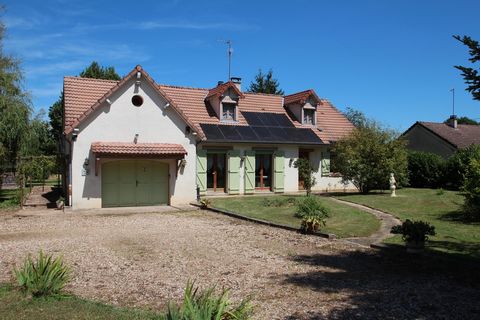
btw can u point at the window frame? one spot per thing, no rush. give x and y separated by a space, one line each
314 120
234 113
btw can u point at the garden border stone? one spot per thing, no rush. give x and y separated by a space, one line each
259 221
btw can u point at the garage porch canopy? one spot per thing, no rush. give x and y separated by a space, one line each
137 150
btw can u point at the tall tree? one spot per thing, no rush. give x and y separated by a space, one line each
368 155
470 75
14 104
55 112
356 117
265 83
464 120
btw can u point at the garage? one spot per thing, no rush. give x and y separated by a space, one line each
134 183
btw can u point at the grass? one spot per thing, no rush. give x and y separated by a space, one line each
440 208
8 199
14 305
344 221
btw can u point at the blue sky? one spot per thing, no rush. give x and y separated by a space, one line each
391 59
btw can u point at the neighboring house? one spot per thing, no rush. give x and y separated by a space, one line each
441 138
134 142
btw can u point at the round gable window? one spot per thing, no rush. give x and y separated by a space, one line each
137 100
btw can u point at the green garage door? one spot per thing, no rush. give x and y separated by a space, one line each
134 183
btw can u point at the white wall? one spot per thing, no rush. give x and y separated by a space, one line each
324 183
120 122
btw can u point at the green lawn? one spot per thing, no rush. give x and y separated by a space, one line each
439 207
13 305
344 221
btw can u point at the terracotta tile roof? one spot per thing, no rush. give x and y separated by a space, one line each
125 148
82 95
300 97
462 137
220 89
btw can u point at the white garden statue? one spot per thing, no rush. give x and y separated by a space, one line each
393 185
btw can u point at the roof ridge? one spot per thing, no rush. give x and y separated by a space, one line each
263 94
303 91
180 87
90 79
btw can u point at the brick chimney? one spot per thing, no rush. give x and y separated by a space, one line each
452 121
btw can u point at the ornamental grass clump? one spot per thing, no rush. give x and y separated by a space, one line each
206 305
44 276
312 212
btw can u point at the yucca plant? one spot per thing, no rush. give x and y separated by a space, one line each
206 305
43 277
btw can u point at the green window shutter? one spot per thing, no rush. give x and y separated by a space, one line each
325 163
233 171
249 164
279 171
202 170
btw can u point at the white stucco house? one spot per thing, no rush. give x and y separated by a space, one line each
134 142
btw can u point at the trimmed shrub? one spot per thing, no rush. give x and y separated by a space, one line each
471 188
43 277
457 166
206 305
425 170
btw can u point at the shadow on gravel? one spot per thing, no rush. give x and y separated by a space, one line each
391 284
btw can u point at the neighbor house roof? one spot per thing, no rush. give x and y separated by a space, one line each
83 95
461 137
123 148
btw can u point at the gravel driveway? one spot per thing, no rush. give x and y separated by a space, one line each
145 259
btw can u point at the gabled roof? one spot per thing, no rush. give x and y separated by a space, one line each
301 97
463 136
83 95
78 97
220 89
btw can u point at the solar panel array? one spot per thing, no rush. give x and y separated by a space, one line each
262 128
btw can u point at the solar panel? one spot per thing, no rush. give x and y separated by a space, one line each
247 133
230 133
267 119
259 134
212 131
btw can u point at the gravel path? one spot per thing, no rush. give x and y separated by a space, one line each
145 259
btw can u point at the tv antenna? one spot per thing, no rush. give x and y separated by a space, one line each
230 51
453 101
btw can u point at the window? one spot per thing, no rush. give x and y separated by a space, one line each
263 171
228 111
309 116
137 100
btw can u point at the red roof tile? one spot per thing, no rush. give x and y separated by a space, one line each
220 89
300 97
125 148
82 94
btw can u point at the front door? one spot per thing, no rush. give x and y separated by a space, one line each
263 171
216 171
134 183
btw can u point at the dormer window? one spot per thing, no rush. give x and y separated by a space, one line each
309 116
229 111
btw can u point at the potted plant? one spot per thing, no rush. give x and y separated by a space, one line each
312 212
414 233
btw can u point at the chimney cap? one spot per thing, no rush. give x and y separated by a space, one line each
236 79
219 83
